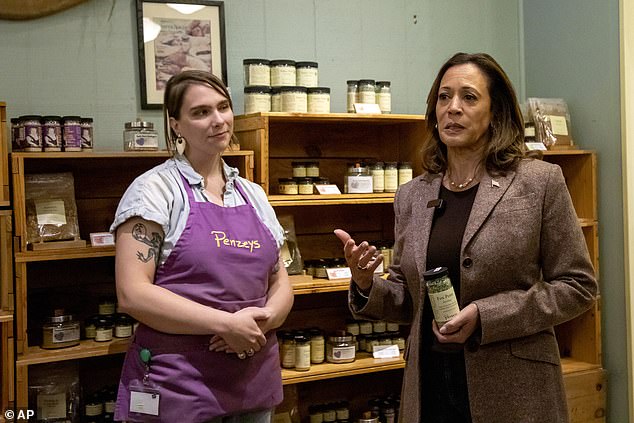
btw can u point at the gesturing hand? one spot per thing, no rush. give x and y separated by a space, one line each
362 259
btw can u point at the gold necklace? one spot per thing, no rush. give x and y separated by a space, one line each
462 185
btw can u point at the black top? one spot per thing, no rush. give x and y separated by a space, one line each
445 240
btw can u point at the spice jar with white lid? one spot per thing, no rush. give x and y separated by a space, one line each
140 136
256 72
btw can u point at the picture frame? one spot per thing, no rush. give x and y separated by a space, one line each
176 35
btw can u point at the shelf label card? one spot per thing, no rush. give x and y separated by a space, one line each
367 108
51 406
101 239
534 146
385 351
558 124
327 189
339 273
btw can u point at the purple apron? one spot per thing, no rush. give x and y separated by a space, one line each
223 259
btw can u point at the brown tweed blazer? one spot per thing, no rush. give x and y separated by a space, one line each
524 262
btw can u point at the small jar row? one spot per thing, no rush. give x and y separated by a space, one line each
382 409
99 405
63 330
36 133
287 99
280 72
377 177
369 91
301 348
302 186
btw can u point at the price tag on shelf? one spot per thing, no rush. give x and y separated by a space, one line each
327 189
385 351
339 273
367 108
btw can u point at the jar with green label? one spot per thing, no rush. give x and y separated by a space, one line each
441 295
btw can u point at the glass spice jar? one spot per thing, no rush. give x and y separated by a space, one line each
441 295
287 186
367 91
257 98
71 133
304 186
86 134
340 348
378 177
312 169
122 326
307 74
294 99
404 173
256 72
140 136
391 177
90 327
287 349
299 169
60 331
52 133
384 96
103 330
317 346
302 353
32 129
318 100
283 73
352 94
276 99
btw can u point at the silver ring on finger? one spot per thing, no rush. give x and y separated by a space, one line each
362 268
250 352
242 355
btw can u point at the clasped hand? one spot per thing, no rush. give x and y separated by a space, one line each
245 331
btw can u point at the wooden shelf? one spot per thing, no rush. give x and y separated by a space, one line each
344 118
364 363
330 199
6 316
85 349
307 285
109 154
65 254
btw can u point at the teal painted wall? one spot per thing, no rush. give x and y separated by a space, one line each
84 60
572 51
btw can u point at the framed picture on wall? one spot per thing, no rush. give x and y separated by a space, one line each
174 36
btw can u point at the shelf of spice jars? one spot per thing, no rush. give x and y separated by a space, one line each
330 199
86 349
364 363
305 284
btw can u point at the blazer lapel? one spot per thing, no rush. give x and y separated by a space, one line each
489 193
423 216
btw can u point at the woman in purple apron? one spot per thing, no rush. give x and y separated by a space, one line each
197 264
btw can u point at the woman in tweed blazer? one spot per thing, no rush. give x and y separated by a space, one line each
507 230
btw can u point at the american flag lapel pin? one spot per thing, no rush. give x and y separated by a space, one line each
495 184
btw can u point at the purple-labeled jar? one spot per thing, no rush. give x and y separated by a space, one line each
32 132
86 134
52 133
72 133
16 137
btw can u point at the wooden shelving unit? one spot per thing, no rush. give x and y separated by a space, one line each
336 139
270 142
61 276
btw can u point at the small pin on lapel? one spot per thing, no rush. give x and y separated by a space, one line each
495 184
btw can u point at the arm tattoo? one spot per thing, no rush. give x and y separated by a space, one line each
139 232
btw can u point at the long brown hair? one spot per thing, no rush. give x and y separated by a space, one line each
175 93
506 142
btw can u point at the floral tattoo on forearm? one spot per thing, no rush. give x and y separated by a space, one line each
139 232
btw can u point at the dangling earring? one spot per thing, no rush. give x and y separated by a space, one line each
180 144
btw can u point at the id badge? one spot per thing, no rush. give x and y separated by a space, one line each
144 401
